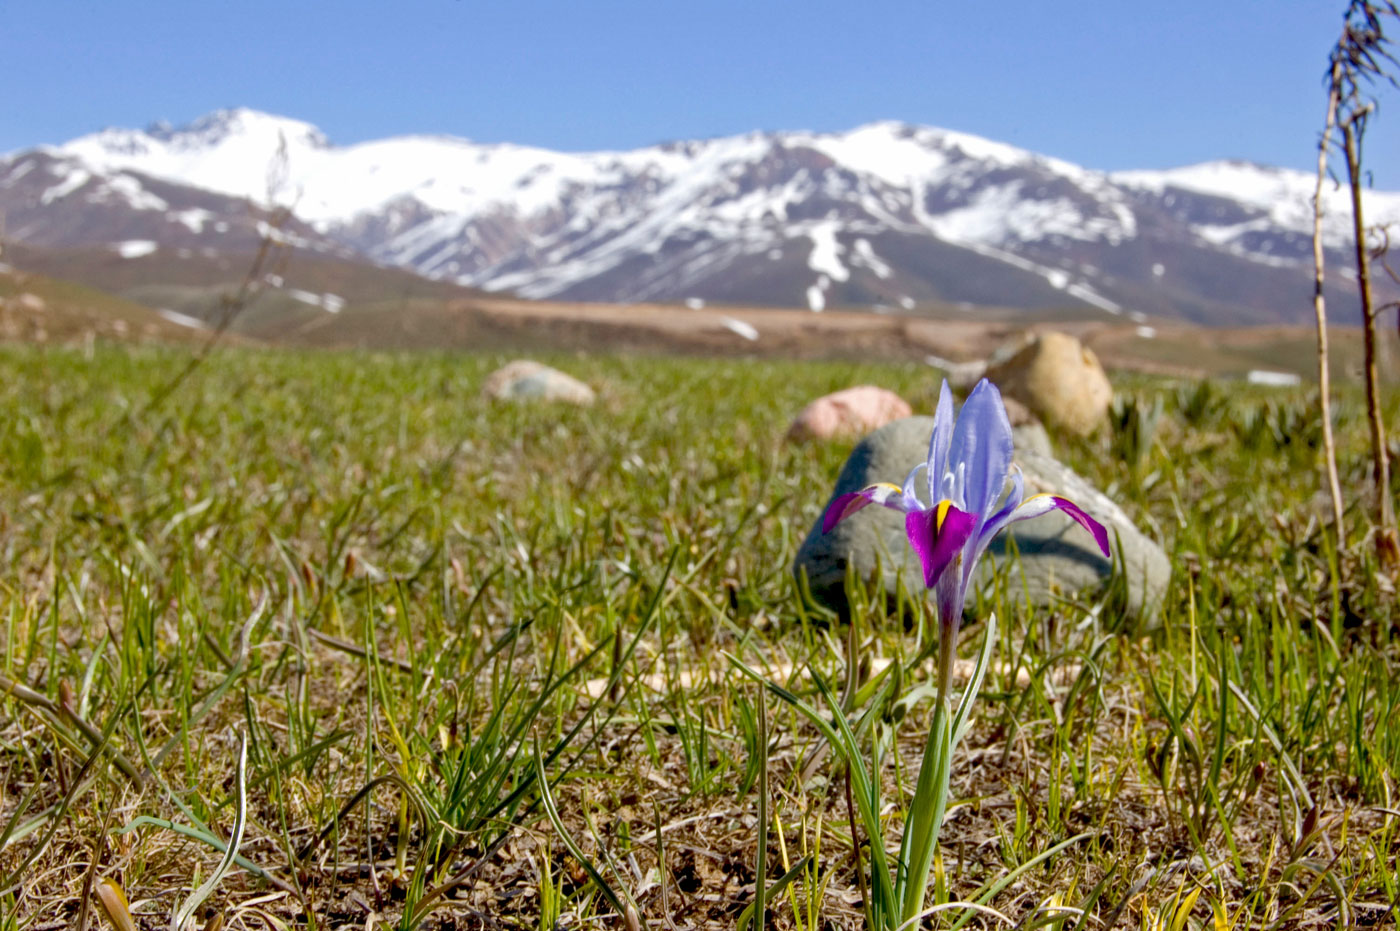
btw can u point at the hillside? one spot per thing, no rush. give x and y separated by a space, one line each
38 309
885 216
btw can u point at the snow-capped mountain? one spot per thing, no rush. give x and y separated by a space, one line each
886 215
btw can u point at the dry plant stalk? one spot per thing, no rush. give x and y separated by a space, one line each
1361 56
1387 544
1324 375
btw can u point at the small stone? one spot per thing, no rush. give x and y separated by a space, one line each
1058 378
963 375
1056 555
527 380
852 412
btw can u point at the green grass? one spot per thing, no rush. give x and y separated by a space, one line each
478 656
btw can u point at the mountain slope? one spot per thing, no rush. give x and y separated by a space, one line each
886 215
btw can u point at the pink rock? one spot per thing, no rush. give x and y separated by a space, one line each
849 413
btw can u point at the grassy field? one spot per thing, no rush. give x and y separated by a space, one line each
479 658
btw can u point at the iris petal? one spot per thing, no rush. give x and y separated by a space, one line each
982 444
1037 505
910 491
938 443
882 493
1014 496
937 542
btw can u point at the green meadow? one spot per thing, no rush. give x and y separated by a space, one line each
323 640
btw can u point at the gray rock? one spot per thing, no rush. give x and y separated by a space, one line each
1030 437
1056 555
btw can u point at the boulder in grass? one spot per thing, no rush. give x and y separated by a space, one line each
1055 556
849 413
1058 378
527 380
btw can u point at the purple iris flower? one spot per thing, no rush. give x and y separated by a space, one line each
969 502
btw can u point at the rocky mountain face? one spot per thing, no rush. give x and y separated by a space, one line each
886 216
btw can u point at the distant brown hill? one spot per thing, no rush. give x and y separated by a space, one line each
315 301
37 309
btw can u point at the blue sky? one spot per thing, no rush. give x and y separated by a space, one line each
1105 84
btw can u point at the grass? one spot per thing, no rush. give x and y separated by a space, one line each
478 658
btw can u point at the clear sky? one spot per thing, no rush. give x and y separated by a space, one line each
1108 84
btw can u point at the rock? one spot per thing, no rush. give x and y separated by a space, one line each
1017 414
1027 432
525 379
960 375
849 413
1059 379
963 375
1031 437
27 301
1055 554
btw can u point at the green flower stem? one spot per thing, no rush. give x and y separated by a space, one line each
926 813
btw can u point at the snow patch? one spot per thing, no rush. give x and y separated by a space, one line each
193 219
1089 296
1283 196
174 316
695 303
746 330
1273 379
18 173
331 303
73 178
131 190
826 251
135 248
1003 214
1147 332
864 254
816 300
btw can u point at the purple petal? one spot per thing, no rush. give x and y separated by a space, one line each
938 542
982 445
1036 505
883 493
938 443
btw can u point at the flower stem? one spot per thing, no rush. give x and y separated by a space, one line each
927 809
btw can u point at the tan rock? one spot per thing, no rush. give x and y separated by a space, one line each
1059 379
29 301
852 412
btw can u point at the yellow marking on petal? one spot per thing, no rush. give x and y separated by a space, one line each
942 513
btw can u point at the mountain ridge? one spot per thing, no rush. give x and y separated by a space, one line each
883 216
